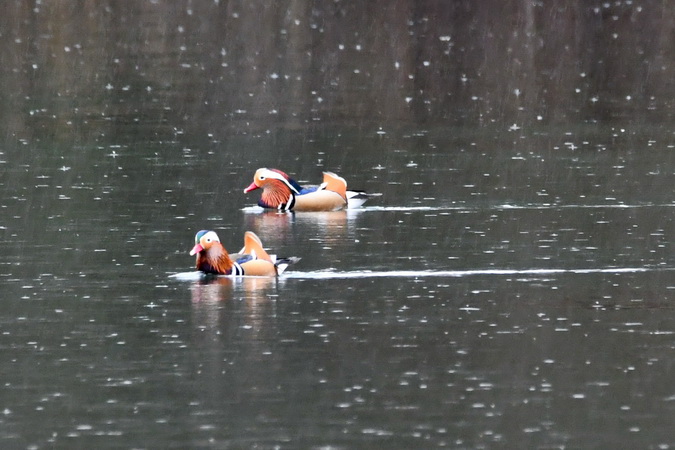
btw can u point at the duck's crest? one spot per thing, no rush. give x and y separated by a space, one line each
294 184
199 234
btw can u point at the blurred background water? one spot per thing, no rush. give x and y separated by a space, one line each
513 285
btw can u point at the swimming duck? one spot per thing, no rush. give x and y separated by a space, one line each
212 258
283 193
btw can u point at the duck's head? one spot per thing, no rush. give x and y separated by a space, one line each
270 177
204 239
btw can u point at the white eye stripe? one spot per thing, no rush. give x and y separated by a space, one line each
271 174
211 236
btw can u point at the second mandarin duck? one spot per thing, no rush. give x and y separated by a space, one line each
283 193
252 260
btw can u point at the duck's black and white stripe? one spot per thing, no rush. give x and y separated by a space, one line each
237 270
288 205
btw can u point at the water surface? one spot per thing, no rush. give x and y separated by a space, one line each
512 286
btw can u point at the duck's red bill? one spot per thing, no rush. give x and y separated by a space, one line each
196 249
252 187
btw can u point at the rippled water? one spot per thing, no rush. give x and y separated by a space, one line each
512 286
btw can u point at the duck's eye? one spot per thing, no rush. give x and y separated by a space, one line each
262 177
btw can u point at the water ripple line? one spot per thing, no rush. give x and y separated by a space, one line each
508 206
501 207
324 275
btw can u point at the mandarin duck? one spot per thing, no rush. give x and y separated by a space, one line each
252 260
283 193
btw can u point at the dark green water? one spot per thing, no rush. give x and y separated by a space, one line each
512 287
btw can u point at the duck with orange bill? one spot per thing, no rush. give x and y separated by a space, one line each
283 193
252 259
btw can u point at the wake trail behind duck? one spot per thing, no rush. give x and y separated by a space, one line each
325 275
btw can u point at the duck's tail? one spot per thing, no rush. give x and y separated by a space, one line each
282 263
356 199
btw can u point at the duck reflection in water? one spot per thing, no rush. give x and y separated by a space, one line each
328 226
231 312
215 289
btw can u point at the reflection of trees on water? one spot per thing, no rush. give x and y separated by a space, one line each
457 63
